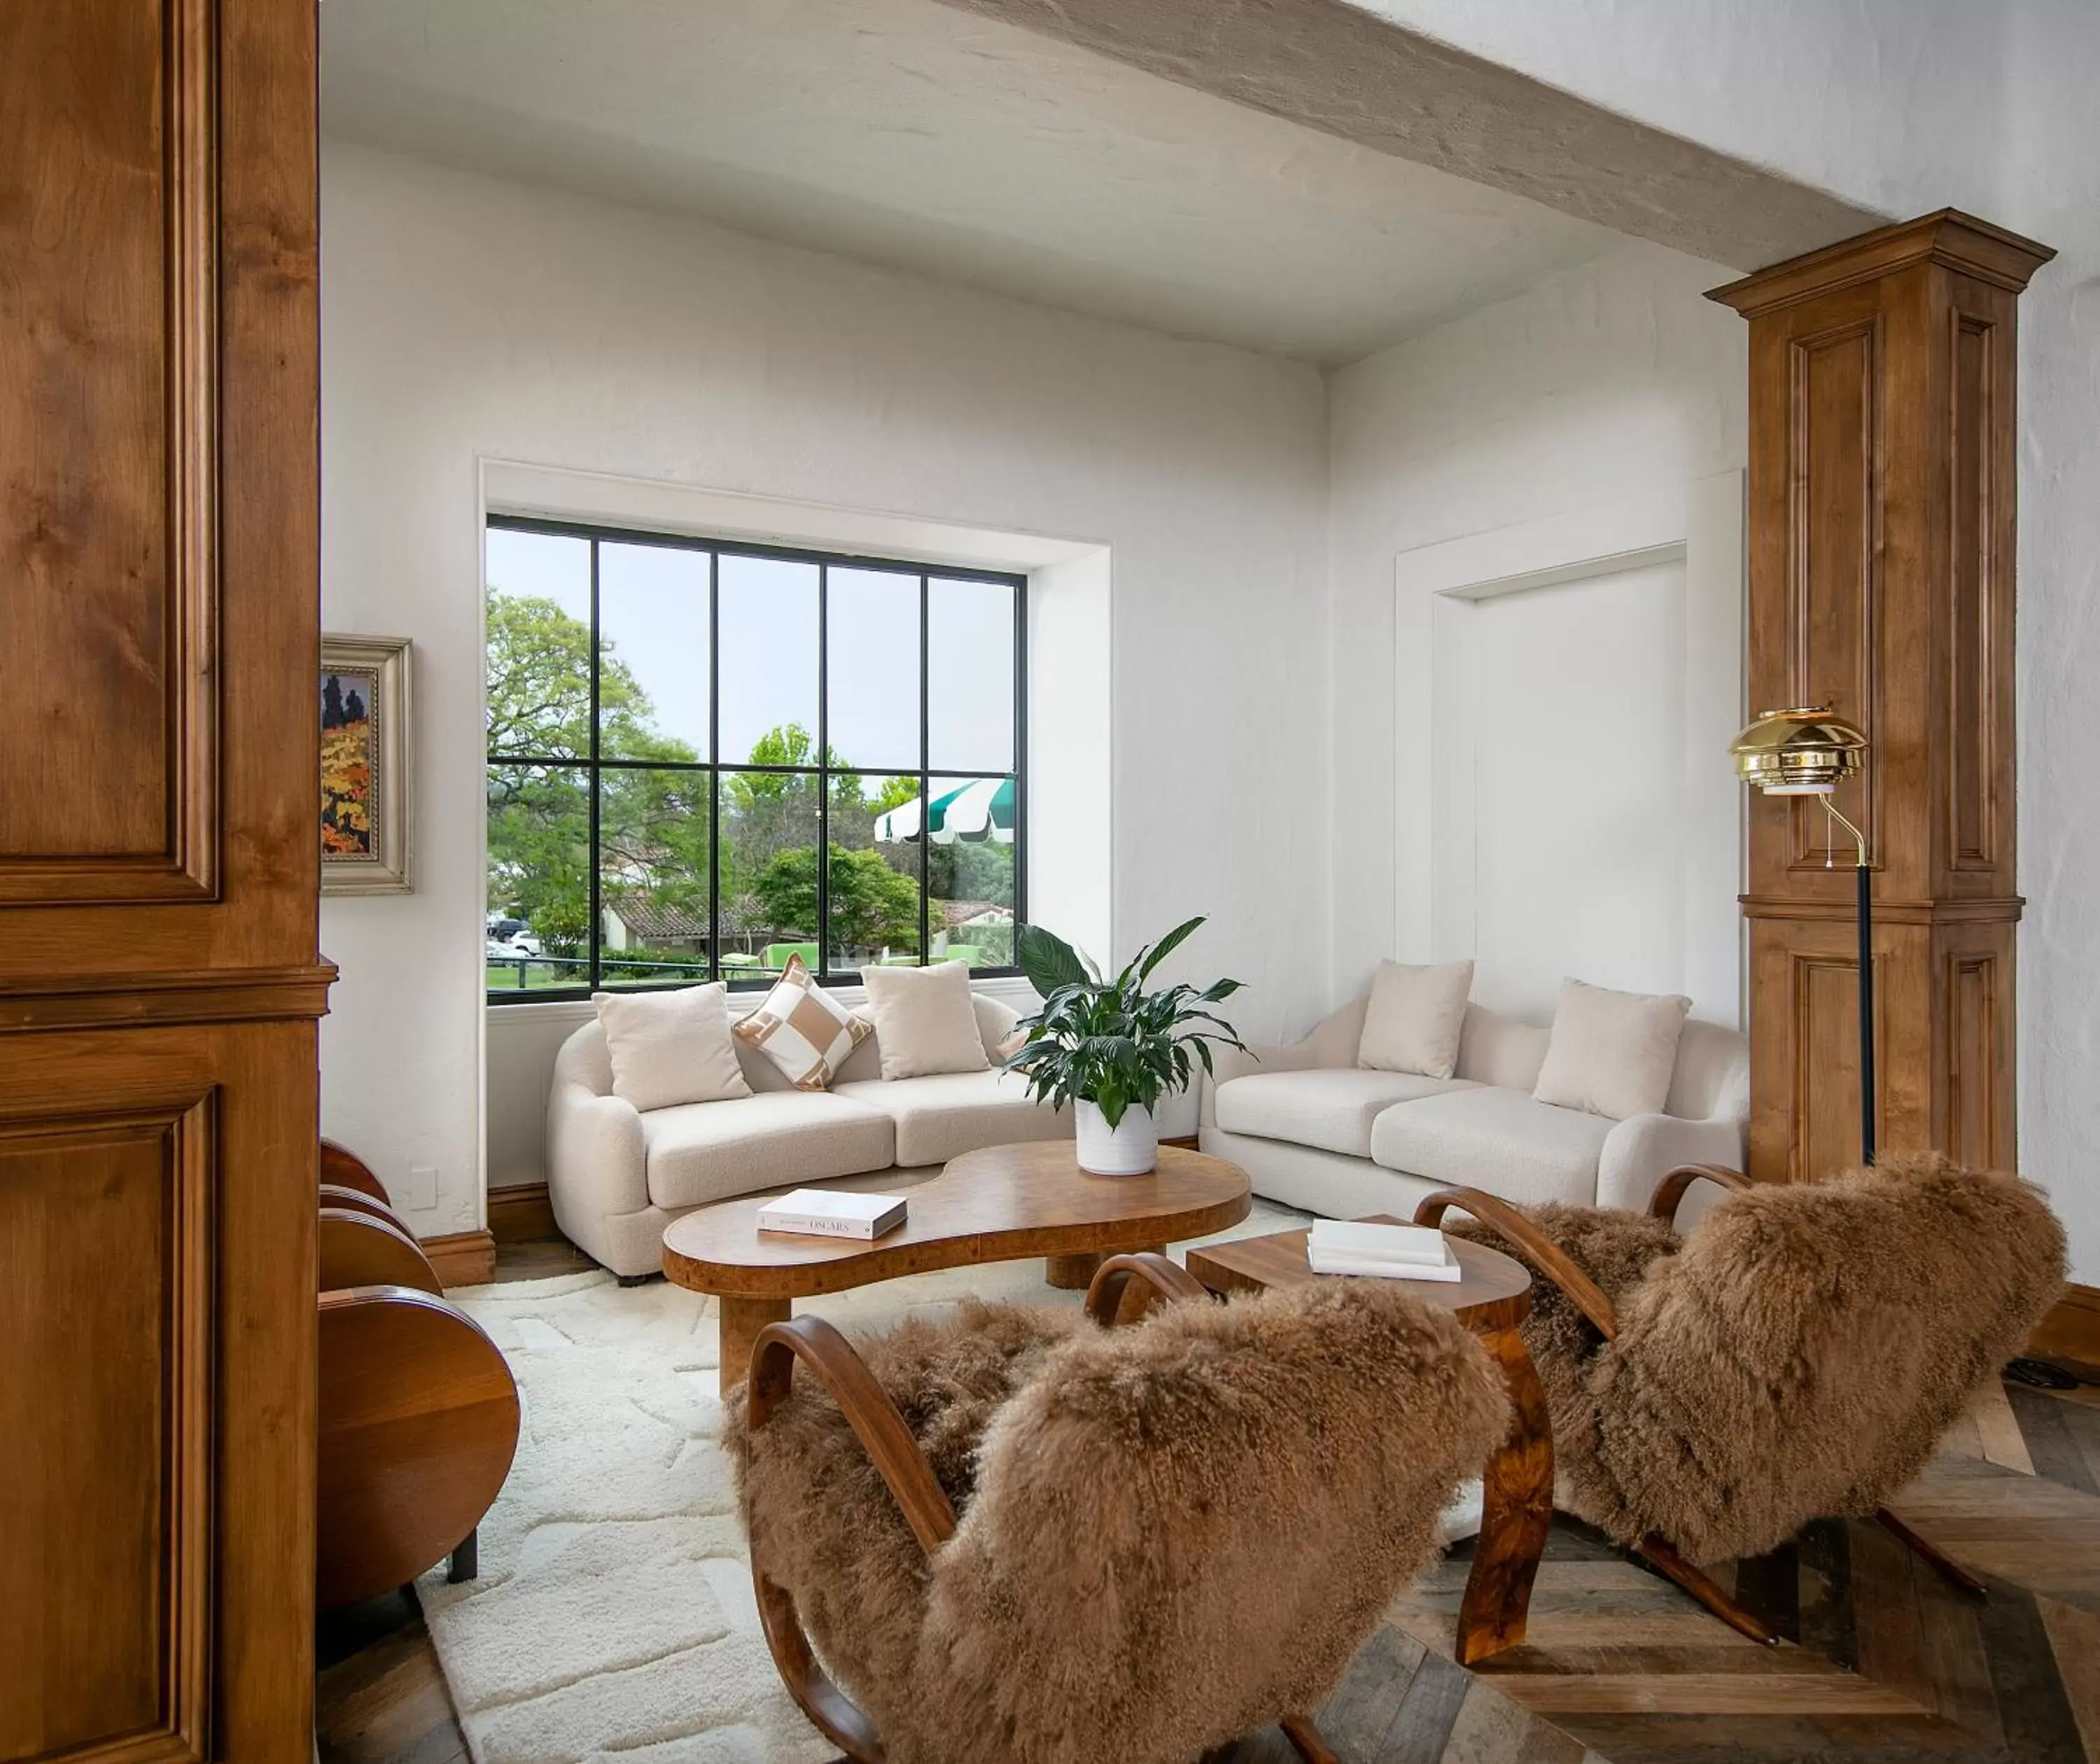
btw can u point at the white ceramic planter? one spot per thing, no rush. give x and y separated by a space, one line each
1129 1149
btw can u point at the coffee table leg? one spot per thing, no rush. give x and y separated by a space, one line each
742 1319
1516 1512
1075 1273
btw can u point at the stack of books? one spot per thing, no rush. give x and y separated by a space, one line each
1380 1252
832 1213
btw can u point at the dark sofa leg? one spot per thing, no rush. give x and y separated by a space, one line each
1701 1588
635 1280
466 1558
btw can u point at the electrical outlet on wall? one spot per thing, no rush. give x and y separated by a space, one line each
422 1193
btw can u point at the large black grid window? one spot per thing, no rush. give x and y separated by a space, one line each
678 727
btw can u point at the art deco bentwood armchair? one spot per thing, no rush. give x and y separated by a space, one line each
1023 1536
1797 1355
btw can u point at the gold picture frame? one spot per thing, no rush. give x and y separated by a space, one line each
364 801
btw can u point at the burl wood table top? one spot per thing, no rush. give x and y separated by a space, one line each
1002 1204
1494 1293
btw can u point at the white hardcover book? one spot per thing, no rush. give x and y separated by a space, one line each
1377 1268
1422 1244
832 1213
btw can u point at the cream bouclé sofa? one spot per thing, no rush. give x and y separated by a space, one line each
618 1176
1315 1131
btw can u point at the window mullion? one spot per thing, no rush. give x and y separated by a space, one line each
1019 905
595 916
714 775
823 772
925 784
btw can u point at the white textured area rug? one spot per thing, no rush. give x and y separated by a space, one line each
614 1617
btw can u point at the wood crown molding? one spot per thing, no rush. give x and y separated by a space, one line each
1959 242
202 995
1886 912
461 1258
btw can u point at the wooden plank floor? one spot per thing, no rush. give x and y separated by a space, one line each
1883 1664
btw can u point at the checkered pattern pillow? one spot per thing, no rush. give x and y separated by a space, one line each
805 1034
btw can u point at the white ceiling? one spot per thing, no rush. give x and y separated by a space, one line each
907 133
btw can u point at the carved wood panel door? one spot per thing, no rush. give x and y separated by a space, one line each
160 984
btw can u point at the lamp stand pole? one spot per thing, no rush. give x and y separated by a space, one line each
1865 876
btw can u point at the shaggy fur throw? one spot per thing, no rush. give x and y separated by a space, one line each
1799 1354
1170 1533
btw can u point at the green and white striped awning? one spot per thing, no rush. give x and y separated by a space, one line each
982 808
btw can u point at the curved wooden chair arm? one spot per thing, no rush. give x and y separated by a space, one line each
1166 1280
868 1410
896 1455
1669 1192
1554 1262
343 1167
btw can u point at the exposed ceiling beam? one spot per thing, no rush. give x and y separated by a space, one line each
1337 68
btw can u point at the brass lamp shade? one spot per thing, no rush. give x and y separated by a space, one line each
1798 752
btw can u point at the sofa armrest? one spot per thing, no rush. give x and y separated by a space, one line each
597 1165
1332 1041
1640 1151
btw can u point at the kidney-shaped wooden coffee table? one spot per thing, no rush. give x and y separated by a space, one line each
1003 1204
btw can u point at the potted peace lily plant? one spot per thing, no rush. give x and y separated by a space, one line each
1110 1048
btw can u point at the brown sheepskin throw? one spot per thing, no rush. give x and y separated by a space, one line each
1799 1354
821 1517
1170 1533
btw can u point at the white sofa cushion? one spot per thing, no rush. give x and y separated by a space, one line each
946 1114
1413 1021
1501 1140
925 1020
671 1047
705 1152
1329 1108
1611 1053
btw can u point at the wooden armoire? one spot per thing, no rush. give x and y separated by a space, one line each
1883 373
160 985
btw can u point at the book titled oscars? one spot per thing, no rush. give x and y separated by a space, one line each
832 1213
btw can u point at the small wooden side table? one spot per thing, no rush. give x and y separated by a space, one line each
1517 1482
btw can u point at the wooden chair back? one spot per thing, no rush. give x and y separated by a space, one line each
342 1167
360 1249
1825 1334
357 1200
419 1420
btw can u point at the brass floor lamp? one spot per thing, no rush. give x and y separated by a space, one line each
1805 753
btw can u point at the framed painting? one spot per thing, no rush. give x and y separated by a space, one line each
364 764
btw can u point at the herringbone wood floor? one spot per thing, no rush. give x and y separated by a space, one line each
1883 1661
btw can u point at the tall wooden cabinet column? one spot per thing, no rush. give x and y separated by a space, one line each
1881 530
159 982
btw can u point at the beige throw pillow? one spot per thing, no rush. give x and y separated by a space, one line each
925 1020
671 1047
1414 1018
1611 1053
803 1029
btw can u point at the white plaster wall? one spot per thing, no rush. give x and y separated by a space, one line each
1906 106
464 317
1597 385
2052 191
